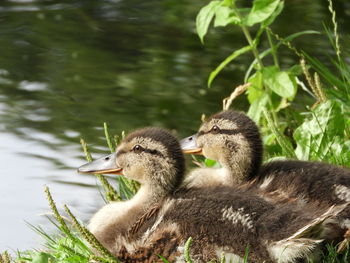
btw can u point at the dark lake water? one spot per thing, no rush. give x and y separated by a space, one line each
68 66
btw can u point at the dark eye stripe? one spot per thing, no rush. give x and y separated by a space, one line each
222 131
154 152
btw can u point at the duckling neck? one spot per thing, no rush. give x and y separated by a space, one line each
148 195
237 166
153 192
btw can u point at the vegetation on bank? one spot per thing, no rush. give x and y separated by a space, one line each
319 131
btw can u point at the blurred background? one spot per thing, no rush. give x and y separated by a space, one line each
68 66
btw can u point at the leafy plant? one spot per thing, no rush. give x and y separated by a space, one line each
321 136
324 133
271 87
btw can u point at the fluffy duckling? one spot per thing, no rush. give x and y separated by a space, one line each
150 156
218 219
233 139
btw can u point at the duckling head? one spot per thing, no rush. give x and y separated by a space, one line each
230 138
151 156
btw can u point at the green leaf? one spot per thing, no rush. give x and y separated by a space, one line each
283 141
274 15
223 64
163 259
262 10
318 136
209 163
204 18
296 70
224 16
255 90
228 2
42 257
256 108
279 81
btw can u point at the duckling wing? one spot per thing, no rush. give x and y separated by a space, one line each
304 241
219 220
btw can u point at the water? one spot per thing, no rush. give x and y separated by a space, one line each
68 66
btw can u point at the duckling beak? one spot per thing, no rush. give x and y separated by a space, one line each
189 145
104 165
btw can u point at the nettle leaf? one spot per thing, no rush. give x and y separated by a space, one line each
224 16
280 82
261 10
204 17
317 136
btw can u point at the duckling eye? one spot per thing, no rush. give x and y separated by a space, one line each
215 129
137 148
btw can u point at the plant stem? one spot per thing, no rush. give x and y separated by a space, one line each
257 57
273 48
249 38
251 43
187 250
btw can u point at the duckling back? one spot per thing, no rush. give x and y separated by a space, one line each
224 221
312 181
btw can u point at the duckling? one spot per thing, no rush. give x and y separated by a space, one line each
160 172
233 139
164 213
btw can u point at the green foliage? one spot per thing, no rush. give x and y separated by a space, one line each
271 87
163 259
287 148
331 256
58 248
204 18
322 136
187 251
325 132
280 82
261 11
209 163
